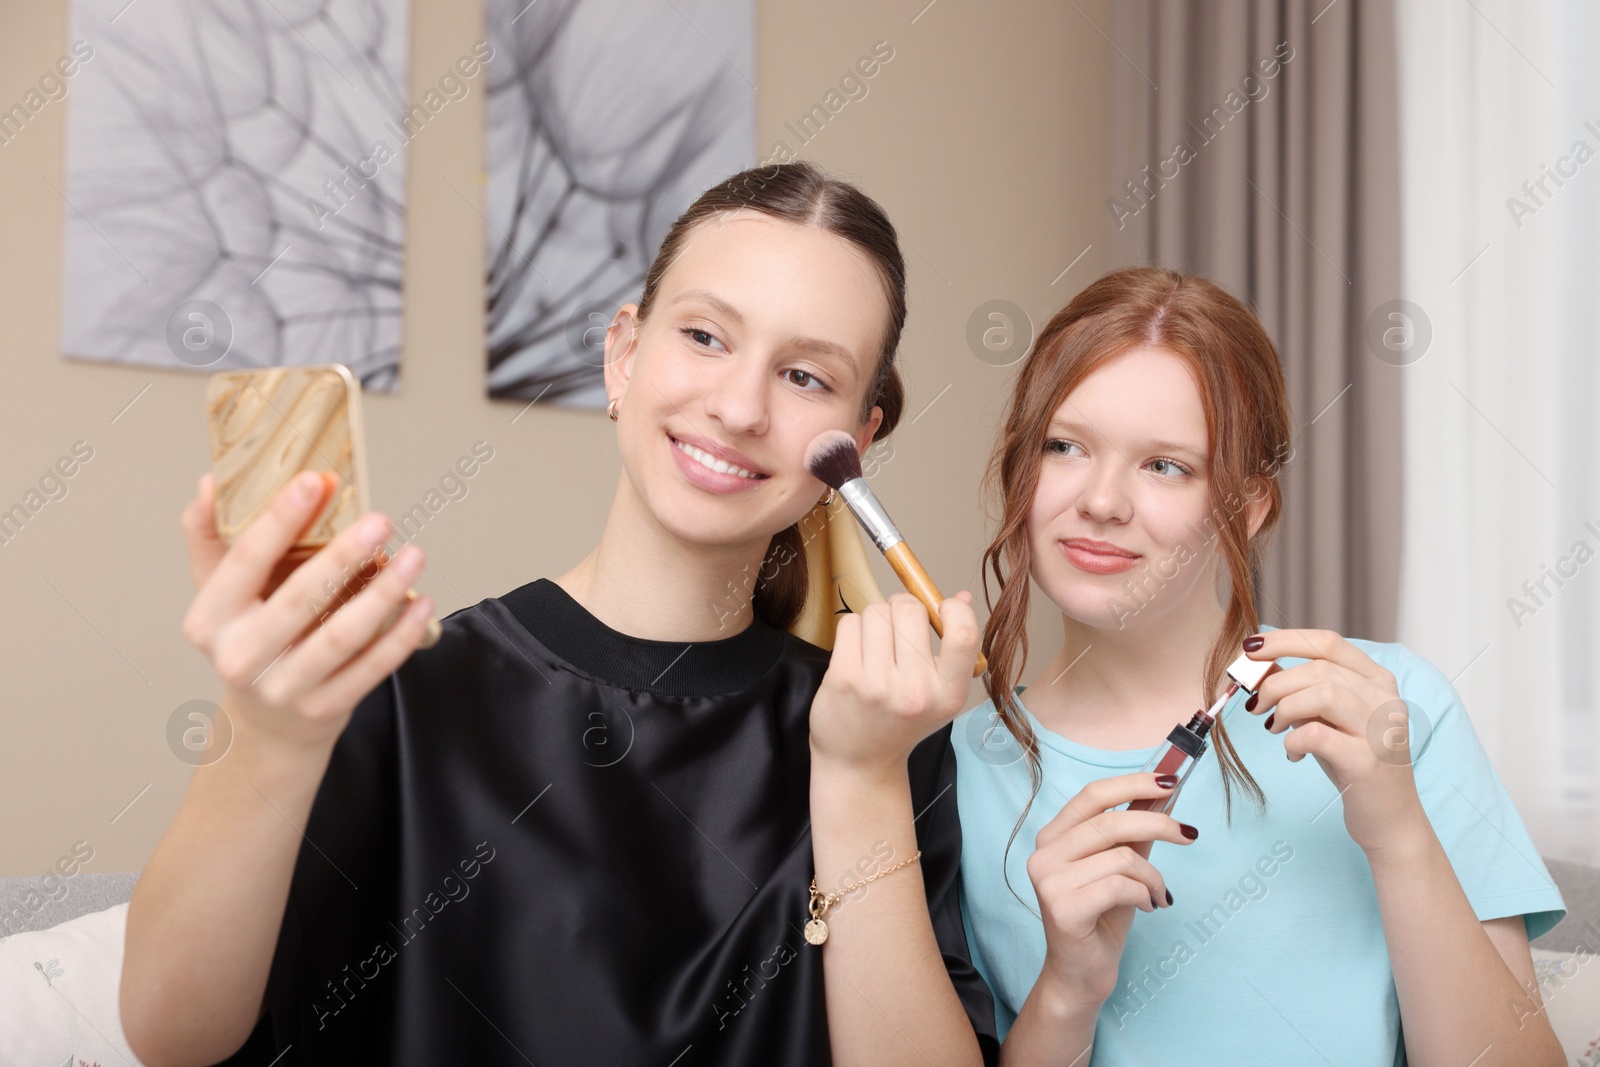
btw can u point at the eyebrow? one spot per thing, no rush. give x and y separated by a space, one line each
721 306
824 348
1155 445
727 310
1174 446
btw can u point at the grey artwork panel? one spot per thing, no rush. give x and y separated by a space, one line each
606 119
235 184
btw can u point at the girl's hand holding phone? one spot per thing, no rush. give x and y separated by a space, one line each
295 673
1345 710
1090 869
885 690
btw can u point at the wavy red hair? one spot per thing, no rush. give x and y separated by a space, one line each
1248 423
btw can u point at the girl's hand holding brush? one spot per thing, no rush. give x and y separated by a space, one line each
885 689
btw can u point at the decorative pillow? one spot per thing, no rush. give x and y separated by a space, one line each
58 994
1569 985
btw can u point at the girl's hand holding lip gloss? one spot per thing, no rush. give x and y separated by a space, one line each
1090 869
1345 710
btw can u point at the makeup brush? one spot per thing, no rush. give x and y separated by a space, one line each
833 458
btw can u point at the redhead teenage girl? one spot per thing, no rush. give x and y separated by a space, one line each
1370 905
582 828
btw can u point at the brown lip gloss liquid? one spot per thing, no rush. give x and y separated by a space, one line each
1185 745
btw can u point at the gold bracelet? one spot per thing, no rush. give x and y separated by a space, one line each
816 930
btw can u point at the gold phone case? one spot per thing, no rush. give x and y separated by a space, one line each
267 426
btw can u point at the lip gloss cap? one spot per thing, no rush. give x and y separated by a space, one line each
1250 672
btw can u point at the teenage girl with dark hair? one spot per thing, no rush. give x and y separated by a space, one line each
476 882
1370 904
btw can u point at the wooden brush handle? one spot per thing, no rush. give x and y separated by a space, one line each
915 578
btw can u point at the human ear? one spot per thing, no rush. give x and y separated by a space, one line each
864 434
621 346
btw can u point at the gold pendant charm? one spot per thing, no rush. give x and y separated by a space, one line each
816 931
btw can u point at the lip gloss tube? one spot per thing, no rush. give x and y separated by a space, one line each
1187 743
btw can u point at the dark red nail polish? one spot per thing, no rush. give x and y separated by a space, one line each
1250 705
1268 723
1251 644
1188 831
1169 898
1167 781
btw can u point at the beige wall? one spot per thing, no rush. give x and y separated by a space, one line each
985 137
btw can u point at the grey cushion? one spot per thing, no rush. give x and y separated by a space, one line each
21 898
1580 889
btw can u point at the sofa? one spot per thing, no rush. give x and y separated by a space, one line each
61 954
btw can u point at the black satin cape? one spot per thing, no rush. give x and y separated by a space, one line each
544 841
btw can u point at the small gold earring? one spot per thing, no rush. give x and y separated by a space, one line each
827 500
611 407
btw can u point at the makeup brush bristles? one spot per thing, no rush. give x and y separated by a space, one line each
832 457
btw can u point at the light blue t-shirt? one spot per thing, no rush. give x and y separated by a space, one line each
1273 950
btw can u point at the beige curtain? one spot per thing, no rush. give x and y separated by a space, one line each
1256 143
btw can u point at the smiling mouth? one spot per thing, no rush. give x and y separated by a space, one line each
1098 557
712 463
1099 548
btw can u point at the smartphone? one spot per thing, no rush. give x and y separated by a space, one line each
266 426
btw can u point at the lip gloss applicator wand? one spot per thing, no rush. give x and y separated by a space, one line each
832 457
1187 743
